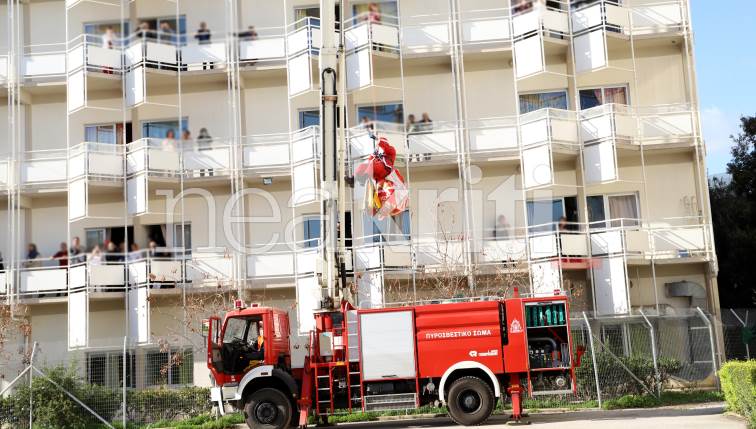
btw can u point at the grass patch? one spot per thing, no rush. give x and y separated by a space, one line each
667 398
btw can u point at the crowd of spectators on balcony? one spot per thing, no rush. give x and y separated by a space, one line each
424 125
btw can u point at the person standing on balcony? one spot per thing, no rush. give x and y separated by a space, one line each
134 253
167 34
169 142
204 142
203 34
75 251
249 34
95 258
31 255
374 13
108 38
426 123
503 228
62 255
411 126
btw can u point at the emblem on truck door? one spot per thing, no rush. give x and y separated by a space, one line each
515 327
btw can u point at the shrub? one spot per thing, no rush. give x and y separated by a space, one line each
614 378
739 386
152 405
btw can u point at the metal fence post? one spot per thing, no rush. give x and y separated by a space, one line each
653 353
31 387
711 344
126 363
745 325
593 358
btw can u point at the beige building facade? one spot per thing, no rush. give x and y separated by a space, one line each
561 150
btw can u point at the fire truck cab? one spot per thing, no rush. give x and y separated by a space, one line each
465 355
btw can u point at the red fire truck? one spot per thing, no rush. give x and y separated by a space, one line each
465 355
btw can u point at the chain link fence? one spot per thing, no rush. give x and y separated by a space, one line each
738 326
108 386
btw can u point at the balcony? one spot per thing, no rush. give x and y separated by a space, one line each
432 143
303 40
5 173
425 35
96 161
305 155
547 136
44 169
206 159
44 63
372 50
266 50
267 154
362 143
485 30
493 137
154 157
540 39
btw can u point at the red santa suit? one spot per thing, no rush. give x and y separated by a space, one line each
386 193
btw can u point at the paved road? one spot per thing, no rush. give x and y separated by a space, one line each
701 417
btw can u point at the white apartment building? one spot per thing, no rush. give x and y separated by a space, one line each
564 153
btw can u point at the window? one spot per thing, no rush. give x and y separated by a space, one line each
179 30
98 28
311 231
94 237
106 369
174 367
159 129
622 210
545 214
100 133
387 10
300 13
382 112
542 100
308 118
182 241
598 96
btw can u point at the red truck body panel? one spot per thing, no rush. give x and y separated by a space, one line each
451 333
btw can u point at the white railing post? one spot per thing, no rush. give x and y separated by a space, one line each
125 364
653 353
593 358
711 344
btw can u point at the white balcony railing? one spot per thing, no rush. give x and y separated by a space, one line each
206 157
149 155
269 45
44 61
44 167
96 160
493 134
486 26
425 34
552 126
361 32
538 17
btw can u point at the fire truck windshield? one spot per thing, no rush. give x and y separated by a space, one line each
242 329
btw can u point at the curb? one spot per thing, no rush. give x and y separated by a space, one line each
410 417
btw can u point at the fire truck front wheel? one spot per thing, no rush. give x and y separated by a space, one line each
267 409
470 401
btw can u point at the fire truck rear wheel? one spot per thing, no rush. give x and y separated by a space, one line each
267 409
470 401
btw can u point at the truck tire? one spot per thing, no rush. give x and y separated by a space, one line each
470 401
268 409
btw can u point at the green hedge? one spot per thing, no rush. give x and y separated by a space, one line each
739 386
616 381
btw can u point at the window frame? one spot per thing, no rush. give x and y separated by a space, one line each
608 219
603 89
382 104
311 242
564 91
182 124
